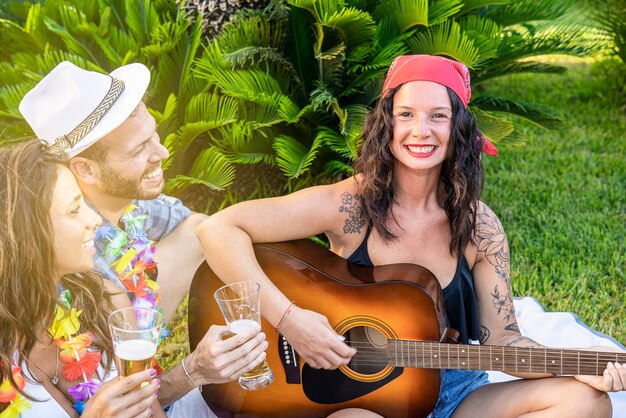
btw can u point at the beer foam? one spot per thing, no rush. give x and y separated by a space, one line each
135 350
242 325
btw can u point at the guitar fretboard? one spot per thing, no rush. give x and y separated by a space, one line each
435 355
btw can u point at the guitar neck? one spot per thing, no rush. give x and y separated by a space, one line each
435 355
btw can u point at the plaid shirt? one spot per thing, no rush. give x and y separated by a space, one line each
164 213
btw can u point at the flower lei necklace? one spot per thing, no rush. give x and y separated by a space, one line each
18 403
129 254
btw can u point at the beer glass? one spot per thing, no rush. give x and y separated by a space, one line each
135 333
240 305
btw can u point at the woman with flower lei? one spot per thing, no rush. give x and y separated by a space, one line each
56 352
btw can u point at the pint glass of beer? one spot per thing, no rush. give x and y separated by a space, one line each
135 333
240 305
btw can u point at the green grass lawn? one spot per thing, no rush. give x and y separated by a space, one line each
561 196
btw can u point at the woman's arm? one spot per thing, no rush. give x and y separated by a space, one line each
227 238
495 302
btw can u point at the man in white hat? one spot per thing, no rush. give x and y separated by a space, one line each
100 122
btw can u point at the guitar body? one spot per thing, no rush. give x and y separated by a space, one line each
401 301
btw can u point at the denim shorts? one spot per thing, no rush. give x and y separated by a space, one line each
456 385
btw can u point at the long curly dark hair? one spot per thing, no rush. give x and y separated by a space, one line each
28 292
462 173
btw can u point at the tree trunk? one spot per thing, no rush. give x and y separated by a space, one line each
216 13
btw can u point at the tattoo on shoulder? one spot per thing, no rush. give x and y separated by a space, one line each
512 327
492 243
484 334
503 304
351 205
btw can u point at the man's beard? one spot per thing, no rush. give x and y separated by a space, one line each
113 184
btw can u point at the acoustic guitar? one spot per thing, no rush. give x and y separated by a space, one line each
394 315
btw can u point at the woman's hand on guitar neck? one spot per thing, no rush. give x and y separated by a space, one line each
317 343
612 380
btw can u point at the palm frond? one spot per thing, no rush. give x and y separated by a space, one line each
387 31
473 5
211 169
287 109
205 107
493 128
123 44
321 98
321 9
335 168
210 61
406 14
522 11
37 66
15 39
245 143
484 32
293 158
446 39
356 118
72 42
167 120
118 11
573 40
273 62
442 10
141 19
34 23
330 66
515 67
190 52
264 111
254 31
178 143
535 113
355 26
299 47
245 84
12 95
345 145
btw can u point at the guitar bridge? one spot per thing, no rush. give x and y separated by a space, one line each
290 360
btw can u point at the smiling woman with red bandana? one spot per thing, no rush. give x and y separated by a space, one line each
414 198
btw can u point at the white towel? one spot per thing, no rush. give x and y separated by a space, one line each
563 330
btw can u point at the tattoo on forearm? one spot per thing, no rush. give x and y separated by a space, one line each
492 242
484 334
503 304
515 341
512 327
351 204
526 342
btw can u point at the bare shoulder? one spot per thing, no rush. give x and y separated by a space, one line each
487 222
349 205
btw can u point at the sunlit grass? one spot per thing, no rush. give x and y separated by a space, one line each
561 196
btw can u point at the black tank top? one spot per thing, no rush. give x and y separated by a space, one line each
459 295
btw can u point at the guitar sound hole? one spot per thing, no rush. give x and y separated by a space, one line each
371 345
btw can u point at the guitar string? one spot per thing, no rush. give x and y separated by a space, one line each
583 361
590 369
539 352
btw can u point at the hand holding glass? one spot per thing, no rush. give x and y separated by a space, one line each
240 304
135 333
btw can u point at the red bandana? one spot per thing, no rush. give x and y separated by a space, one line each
446 72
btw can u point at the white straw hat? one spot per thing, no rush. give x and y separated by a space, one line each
71 108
